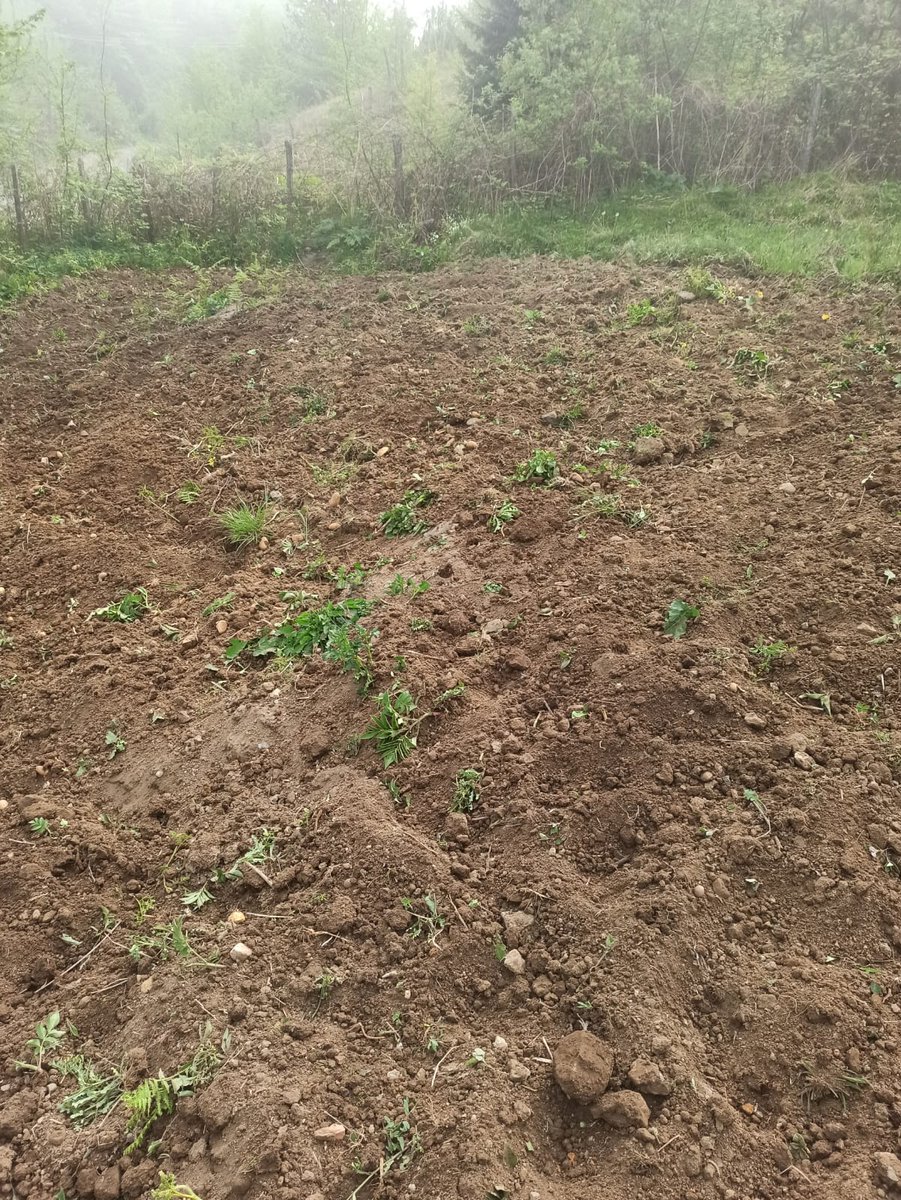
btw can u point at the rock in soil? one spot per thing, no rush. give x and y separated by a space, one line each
623 1110
888 1169
645 1076
583 1065
330 1133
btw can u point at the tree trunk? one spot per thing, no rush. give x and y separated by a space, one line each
812 124
17 201
289 173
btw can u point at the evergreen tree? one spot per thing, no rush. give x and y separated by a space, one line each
490 29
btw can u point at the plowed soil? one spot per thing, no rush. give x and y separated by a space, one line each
692 843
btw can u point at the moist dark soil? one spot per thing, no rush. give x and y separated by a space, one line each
685 846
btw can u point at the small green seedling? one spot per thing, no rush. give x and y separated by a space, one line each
48 1036
649 430
502 516
770 654
477 326
555 357
169 1189
188 492
540 469
128 609
642 312
399 586
39 826
466 790
401 1146
115 741
403 518
753 362
677 618
219 603
428 923
823 699
245 524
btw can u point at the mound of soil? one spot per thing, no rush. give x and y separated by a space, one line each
358 979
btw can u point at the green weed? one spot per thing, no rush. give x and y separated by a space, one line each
115 741
48 1036
169 1189
677 618
466 790
502 515
403 518
95 1093
770 654
428 923
540 469
130 608
157 1097
393 729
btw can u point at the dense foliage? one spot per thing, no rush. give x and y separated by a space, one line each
143 116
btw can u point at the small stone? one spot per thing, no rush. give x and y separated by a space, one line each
787 487
645 1076
500 1043
623 1110
264 543
236 917
803 760
240 953
755 721
888 1169
516 923
330 1133
648 450
106 1186
583 1065
519 1072
222 625
514 962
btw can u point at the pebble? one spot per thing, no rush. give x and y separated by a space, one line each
519 1072
622 1110
222 625
787 487
755 721
514 962
330 1133
240 953
645 1076
888 1169
236 917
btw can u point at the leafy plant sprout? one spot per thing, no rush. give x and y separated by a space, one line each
403 518
677 618
245 524
540 469
393 729
132 606
429 922
466 790
502 515
48 1036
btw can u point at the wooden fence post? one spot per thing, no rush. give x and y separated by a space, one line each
289 172
17 201
400 191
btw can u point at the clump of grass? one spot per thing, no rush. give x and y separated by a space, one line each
245 524
404 517
648 429
555 357
770 654
540 469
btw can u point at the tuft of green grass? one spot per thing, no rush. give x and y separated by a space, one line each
555 357
770 654
95 1093
540 469
245 524
642 312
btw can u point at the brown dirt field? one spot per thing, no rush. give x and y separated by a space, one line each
694 860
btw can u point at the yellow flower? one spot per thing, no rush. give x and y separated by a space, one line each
759 295
827 316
